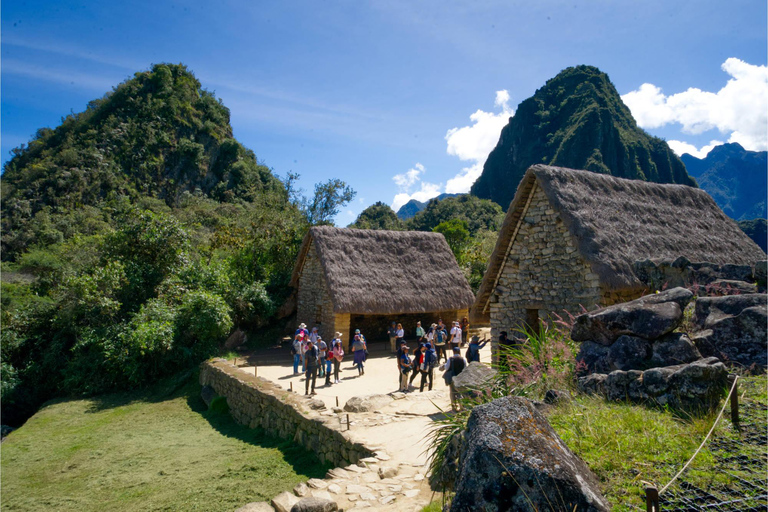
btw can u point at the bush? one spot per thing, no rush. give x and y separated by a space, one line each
203 320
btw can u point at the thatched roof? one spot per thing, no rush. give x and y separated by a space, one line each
387 272
615 222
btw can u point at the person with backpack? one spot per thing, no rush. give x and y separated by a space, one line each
358 350
453 367
404 366
418 356
439 338
456 335
338 355
310 359
473 351
427 366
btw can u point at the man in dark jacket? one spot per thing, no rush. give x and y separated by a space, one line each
311 359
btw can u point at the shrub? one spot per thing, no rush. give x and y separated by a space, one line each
203 320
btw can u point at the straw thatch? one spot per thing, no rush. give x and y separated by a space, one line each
615 222
387 272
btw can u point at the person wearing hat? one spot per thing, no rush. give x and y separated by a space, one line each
417 360
311 360
302 328
297 348
358 350
427 365
456 334
400 345
404 366
322 350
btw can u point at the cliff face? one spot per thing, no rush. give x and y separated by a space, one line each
735 178
576 120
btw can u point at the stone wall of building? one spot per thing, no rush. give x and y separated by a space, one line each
256 402
543 273
314 305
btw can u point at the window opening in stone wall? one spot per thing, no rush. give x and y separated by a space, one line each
318 314
532 319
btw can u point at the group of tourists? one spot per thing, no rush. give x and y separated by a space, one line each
318 358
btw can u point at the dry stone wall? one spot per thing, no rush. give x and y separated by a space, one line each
256 402
314 305
543 271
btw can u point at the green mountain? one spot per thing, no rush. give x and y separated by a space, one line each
159 134
576 120
734 177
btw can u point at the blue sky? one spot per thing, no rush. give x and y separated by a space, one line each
380 94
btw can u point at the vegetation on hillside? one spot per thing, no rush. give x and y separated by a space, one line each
136 235
757 230
576 120
155 449
378 216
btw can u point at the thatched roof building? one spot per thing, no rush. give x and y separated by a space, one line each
572 238
342 274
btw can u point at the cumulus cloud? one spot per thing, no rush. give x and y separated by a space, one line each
473 143
739 109
405 183
680 148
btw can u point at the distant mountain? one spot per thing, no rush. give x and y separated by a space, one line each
412 207
736 178
757 230
576 120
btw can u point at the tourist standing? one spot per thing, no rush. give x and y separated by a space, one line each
400 333
464 324
419 332
310 359
417 357
338 355
302 329
473 352
322 349
427 366
453 367
440 338
314 335
392 332
297 349
404 366
358 350
456 335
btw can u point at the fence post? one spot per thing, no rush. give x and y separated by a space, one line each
734 379
337 401
235 361
291 387
651 499
347 421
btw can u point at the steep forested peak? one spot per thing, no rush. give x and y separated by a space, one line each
577 120
158 134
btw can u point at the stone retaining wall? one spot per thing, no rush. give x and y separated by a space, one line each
257 402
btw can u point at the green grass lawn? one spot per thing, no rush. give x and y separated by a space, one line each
159 449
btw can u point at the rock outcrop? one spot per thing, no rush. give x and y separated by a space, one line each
366 403
648 317
475 380
512 459
733 328
696 386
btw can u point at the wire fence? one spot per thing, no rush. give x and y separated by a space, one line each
738 479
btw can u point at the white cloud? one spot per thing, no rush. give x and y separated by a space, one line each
739 109
473 143
406 181
680 148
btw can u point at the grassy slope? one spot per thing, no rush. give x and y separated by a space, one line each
144 450
626 444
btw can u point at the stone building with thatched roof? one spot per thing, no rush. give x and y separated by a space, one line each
577 238
364 279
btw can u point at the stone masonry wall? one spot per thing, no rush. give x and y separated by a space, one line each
543 271
314 306
256 402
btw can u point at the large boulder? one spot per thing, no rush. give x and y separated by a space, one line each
367 403
733 328
649 317
475 379
284 501
592 358
513 460
673 349
696 386
314 504
629 353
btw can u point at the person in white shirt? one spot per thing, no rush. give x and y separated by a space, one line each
456 335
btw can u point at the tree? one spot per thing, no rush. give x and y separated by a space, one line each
478 214
329 198
456 233
378 216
